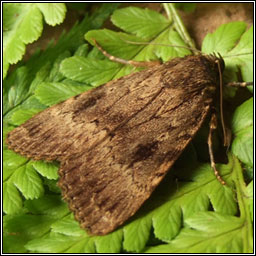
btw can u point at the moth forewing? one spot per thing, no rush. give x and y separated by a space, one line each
117 142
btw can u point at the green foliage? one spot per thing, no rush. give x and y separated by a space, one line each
12 201
144 23
235 45
32 222
27 181
207 232
249 194
47 170
190 211
94 72
242 127
50 93
23 24
215 232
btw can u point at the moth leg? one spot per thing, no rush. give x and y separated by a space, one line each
127 62
239 84
213 126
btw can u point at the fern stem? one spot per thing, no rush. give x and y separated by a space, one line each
243 206
178 24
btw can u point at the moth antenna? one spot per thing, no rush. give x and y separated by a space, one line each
221 104
168 45
213 126
239 54
126 62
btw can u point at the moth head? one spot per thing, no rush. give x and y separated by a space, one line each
218 60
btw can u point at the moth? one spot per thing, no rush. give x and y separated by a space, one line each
116 143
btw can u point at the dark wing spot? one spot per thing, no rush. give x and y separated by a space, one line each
88 103
145 151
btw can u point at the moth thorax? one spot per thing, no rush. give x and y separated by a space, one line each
219 62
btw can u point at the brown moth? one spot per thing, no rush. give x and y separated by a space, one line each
116 142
